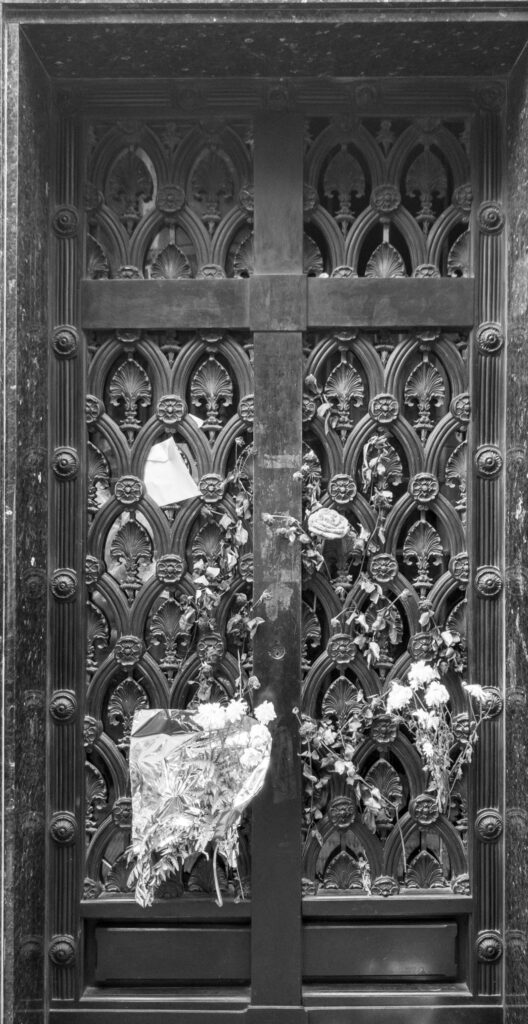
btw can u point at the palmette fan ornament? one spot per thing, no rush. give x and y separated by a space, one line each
192 775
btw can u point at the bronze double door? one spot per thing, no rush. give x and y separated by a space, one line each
276 293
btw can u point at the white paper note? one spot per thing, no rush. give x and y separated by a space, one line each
167 479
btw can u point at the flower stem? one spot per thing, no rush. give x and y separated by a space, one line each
219 901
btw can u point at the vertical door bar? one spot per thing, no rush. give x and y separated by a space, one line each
66 531
276 850
488 544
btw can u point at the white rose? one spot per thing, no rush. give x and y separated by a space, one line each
260 736
250 758
327 523
420 674
210 716
265 712
399 697
235 710
436 694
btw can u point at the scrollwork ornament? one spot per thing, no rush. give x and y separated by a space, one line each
460 408
65 341
309 408
65 222
488 460
383 568
342 812
170 569
128 650
459 568
341 649
494 701
424 488
63 706
129 490
92 730
212 271
91 889
128 339
170 200
490 338
246 408
424 810
210 648
342 488
63 584
461 725
489 947
129 273
426 270
122 812
65 463
488 581
94 569
489 825
421 646
212 488
463 198
344 272
461 885
384 408
62 950
385 886
490 217
385 199
171 409
383 730
63 828
93 408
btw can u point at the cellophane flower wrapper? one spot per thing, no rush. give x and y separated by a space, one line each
189 787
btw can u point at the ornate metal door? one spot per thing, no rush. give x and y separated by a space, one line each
298 297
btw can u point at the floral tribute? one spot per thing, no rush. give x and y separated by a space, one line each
193 773
352 741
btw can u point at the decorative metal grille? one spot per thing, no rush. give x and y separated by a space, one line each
398 403
169 580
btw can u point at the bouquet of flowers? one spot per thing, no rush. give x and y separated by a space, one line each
192 775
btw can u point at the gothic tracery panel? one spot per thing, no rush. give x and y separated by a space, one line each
385 431
167 200
389 198
169 565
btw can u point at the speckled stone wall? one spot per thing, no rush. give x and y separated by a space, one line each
26 548
516 833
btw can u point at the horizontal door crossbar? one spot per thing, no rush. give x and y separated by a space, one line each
257 303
